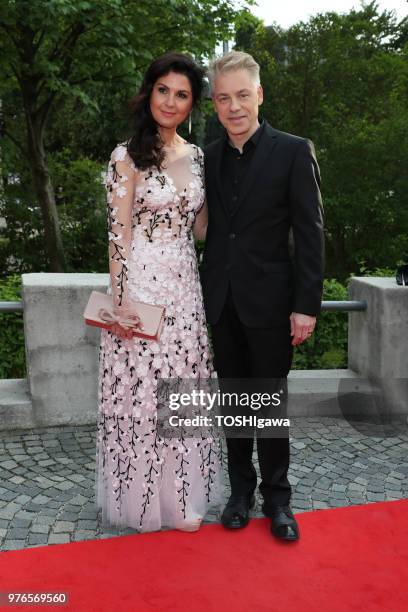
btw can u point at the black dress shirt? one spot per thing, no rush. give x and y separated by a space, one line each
235 165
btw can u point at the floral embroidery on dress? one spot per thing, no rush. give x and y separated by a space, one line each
143 479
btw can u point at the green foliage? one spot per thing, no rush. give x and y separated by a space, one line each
383 272
81 202
342 81
22 239
327 348
67 69
12 351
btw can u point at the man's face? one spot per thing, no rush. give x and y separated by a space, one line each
236 99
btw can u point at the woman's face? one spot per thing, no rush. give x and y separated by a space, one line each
171 100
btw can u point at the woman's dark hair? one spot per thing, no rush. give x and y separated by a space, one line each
144 146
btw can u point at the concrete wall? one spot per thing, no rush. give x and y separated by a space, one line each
378 339
61 351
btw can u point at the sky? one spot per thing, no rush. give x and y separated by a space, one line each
288 12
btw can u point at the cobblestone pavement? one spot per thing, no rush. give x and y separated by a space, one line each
47 493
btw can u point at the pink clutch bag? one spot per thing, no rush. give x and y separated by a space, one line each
147 322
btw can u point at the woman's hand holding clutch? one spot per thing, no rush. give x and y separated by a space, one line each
132 319
116 328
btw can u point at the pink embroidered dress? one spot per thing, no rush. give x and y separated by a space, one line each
144 480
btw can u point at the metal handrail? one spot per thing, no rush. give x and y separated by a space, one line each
329 305
11 306
344 305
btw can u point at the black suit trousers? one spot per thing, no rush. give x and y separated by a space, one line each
241 352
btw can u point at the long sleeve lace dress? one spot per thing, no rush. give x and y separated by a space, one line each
145 480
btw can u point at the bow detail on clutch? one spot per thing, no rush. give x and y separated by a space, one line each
131 322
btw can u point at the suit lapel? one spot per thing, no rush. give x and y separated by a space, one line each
259 162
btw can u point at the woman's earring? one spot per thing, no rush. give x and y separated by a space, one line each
189 124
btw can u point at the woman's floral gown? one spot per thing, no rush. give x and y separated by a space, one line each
145 480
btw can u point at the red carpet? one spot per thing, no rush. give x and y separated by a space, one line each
348 559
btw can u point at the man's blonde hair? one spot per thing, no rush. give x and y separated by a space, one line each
233 60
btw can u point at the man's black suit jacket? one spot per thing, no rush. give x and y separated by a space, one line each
248 246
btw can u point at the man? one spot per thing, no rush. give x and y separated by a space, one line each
262 185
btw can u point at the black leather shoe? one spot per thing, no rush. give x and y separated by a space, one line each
236 512
284 525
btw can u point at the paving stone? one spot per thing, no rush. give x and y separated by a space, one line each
337 495
37 538
21 522
17 533
375 488
373 497
41 519
340 503
391 486
87 524
44 482
84 535
41 499
46 462
338 487
354 486
301 504
51 443
59 538
63 526
77 478
46 511
7 513
356 500
13 545
17 479
9 496
64 486
301 488
89 516
8 464
22 499
320 505
361 481
78 500
39 528
61 498
397 475
323 484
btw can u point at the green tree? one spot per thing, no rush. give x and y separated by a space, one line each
60 56
342 80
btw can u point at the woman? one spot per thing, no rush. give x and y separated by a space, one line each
156 205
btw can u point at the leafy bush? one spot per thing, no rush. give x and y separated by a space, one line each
12 351
383 272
